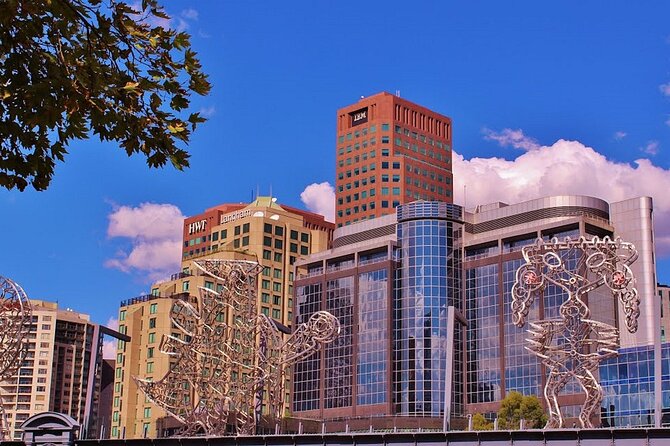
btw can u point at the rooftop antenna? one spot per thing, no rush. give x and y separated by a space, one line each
397 93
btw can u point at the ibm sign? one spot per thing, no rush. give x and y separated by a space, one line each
359 117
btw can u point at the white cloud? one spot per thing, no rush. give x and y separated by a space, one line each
320 198
651 148
179 24
154 232
109 346
665 89
510 137
190 14
620 135
208 112
565 167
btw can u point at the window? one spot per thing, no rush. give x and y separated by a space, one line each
150 367
279 231
279 244
122 315
276 300
277 273
245 240
237 230
278 257
267 241
267 255
385 152
276 314
245 228
152 338
276 286
304 250
385 178
396 191
184 285
294 246
152 322
150 352
147 412
265 311
265 297
266 271
385 204
396 165
215 236
265 284
267 228
385 191
396 178
294 235
236 243
385 127
385 139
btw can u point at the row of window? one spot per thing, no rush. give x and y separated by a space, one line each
364 194
418 136
356 159
279 232
363 208
362 132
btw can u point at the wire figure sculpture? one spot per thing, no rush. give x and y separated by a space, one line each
15 323
573 345
229 360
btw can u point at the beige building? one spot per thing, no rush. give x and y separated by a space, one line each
272 234
60 372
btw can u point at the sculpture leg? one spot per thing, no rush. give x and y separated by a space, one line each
594 396
555 383
550 397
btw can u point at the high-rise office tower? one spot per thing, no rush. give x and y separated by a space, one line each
390 151
274 235
61 371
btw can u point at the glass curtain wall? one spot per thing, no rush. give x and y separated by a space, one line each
429 236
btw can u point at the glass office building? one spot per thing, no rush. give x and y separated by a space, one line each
407 358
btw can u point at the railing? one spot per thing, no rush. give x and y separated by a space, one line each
148 297
373 260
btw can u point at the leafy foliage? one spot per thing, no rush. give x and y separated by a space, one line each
516 406
480 423
72 67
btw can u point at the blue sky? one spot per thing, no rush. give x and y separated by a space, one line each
532 84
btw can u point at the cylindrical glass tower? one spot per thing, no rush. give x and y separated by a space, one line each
428 281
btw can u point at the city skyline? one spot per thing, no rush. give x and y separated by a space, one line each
529 88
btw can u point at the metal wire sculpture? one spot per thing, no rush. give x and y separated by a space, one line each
15 323
229 360
573 345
